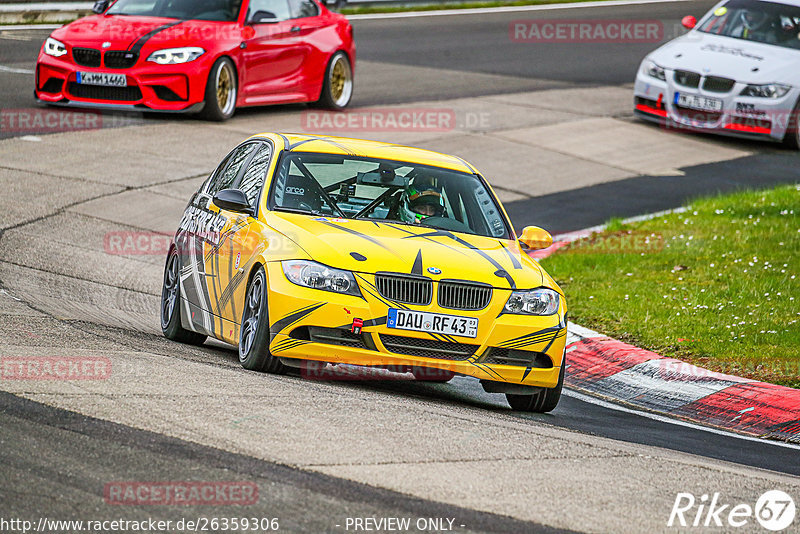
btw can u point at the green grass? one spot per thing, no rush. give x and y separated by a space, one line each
716 286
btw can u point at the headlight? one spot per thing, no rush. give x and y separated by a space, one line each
317 276
769 90
654 70
54 48
534 302
171 56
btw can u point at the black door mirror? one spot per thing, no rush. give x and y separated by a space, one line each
100 6
233 200
262 17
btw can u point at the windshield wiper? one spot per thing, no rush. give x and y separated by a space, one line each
301 212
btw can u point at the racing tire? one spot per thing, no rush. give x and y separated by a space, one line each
337 86
254 336
221 91
170 305
544 401
792 137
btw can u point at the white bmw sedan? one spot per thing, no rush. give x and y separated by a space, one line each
736 72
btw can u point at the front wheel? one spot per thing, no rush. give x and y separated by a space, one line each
171 305
254 337
337 86
543 401
221 91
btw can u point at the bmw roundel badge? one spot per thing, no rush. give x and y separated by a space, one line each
434 270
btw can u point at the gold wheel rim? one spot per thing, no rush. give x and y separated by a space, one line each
224 86
338 79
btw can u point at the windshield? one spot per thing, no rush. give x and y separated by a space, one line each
219 10
750 20
388 191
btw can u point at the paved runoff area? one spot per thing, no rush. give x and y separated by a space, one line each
82 259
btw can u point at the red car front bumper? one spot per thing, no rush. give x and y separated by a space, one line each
150 86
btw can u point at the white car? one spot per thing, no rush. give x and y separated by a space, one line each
736 72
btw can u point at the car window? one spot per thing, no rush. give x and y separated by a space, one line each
226 175
750 20
253 178
357 187
303 8
268 11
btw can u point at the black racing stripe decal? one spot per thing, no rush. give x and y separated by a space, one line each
137 46
535 337
500 271
293 318
514 261
417 268
324 140
359 234
287 344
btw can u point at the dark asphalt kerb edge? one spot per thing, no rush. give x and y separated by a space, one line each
327 485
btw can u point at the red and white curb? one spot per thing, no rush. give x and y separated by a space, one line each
603 366
608 368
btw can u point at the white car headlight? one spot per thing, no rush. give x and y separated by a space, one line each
769 90
534 302
654 70
171 56
54 48
317 276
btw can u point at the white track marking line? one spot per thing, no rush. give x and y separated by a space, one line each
508 9
664 419
12 70
30 27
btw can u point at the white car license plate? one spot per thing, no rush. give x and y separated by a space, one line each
433 323
102 78
700 103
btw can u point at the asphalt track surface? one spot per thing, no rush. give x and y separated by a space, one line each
72 455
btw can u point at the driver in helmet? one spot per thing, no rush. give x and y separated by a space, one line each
753 25
420 201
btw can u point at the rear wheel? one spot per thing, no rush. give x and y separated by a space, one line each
221 91
170 305
543 401
337 87
254 337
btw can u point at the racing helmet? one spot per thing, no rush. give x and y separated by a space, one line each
419 202
753 20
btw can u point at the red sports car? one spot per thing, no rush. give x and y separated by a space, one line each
208 56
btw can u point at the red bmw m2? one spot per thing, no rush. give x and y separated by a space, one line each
199 56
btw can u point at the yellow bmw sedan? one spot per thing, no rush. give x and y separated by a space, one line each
304 248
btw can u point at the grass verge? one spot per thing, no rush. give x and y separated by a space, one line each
715 286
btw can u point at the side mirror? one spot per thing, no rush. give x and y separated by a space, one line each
262 17
534 238
689 22
100 6
233 200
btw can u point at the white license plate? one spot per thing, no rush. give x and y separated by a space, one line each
433 323
700 103
102 78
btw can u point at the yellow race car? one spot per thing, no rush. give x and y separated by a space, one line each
304 248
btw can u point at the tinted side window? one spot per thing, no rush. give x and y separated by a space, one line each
253 178
225 178
303 8
268 10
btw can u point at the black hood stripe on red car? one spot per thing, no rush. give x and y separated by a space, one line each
137 46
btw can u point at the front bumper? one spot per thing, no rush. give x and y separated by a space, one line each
308 324
741 116
150 87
